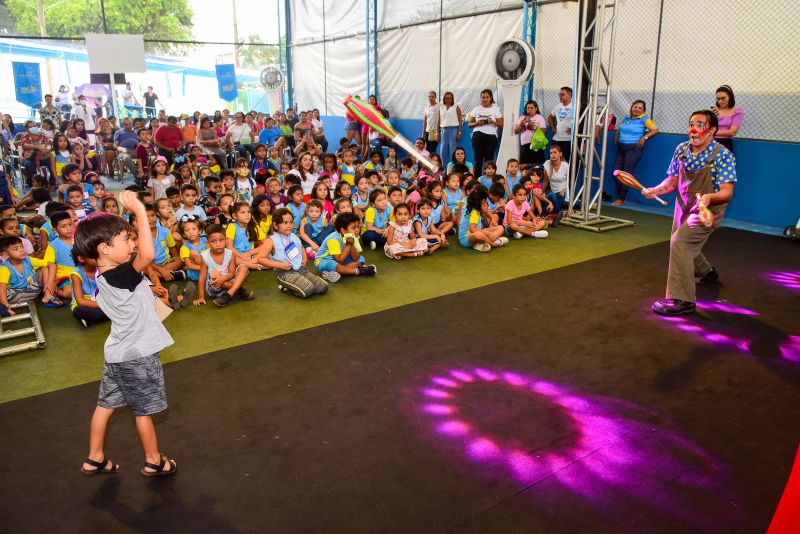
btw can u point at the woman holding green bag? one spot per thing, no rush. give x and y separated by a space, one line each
529 125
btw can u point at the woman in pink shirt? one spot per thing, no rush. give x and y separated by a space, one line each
526 126
729 116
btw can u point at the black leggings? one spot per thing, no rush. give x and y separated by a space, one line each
90 315
483 147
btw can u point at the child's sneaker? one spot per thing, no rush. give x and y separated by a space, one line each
373 245
179 276
84 323
368 270
331 276
223 300
517 235
541 234
482 247
245 294
501 241
310 253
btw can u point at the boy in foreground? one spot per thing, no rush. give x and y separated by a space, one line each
132 372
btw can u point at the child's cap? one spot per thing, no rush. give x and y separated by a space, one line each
160 158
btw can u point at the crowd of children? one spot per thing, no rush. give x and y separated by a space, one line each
211 227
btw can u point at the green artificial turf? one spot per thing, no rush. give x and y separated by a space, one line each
74 355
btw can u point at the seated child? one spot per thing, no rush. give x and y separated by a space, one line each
19 279
167 261
84 288
296 204
471 230
360 199
261 210
244 236
519 219
313 228
12 226
425 227
59 255
441 218
188 204
496 202
401 239
540 204
276 198
489 172
395 196
71 175
221 274
340 253
46 232
193 245
288 257
376 220
76 201
513 175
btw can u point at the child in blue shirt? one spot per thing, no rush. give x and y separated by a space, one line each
296 204
376 220
288 257
340 253
167 261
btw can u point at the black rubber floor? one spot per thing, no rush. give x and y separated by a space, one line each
551 403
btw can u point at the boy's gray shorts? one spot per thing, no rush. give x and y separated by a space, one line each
138 383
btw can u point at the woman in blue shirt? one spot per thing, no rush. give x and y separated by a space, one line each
631 135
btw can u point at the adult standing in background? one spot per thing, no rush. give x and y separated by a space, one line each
526 126
129 100
631 135
150 99
485 121
88 115
430 123
366 131
49 111
560 120
450 120
729 116
63 101
319 130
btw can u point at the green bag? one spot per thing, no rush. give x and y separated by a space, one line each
539 140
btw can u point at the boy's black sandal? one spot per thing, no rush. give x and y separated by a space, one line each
100 467
159 468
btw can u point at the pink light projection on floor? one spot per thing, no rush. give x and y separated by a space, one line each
603 446
787 279
732 337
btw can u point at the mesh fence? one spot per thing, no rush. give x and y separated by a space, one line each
660 56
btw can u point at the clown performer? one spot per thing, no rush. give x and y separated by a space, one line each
704 172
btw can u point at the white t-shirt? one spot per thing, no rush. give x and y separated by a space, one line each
240 133
448 117
307 184
558 180
316 125
87 114
432 116
563 115
481 112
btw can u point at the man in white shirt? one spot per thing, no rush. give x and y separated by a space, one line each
430 123
88 115
560 120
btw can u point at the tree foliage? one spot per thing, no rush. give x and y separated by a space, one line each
257 57
156 19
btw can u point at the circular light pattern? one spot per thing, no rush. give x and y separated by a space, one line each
606 445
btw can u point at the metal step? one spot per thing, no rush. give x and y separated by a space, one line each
34 330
